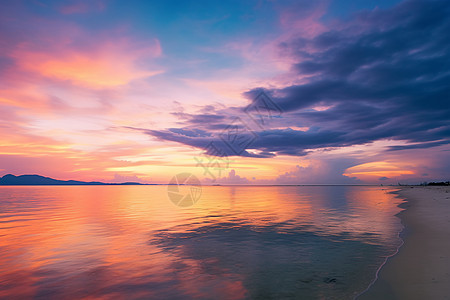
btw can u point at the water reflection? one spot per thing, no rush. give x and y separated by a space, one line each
235 243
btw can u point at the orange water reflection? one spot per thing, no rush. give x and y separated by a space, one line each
133 242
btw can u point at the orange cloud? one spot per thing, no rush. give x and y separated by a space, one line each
112 63
374 170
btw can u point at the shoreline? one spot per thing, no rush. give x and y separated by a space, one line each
403 205
420 269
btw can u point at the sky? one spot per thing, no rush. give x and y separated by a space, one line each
233 92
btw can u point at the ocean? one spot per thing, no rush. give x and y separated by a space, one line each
235 242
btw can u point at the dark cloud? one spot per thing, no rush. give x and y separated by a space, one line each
200 118
388 80
385 74
419 146
216 145
190 132
401 48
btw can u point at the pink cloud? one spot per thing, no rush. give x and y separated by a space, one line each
108 63
233 178
57 49
303 18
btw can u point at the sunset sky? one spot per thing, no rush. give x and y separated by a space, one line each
138 90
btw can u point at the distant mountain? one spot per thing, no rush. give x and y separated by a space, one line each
41 180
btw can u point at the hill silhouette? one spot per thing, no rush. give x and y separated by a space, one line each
41 180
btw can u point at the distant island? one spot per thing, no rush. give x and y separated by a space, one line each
41 180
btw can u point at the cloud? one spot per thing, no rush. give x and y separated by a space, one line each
231 179
382 75
120 178
61 50
419 146
211 144
323 171
381 169
377 78
110 63
388 80
303 17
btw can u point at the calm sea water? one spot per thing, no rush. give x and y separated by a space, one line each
236 242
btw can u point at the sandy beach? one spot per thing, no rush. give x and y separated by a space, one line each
421 268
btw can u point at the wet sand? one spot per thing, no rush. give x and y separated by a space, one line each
421 268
